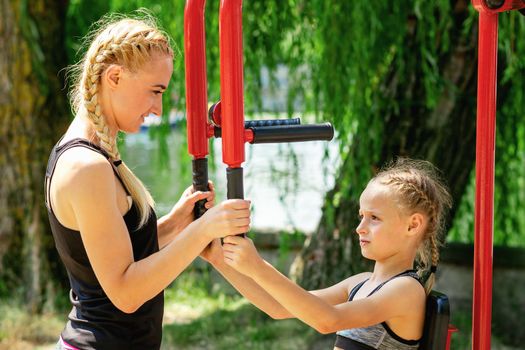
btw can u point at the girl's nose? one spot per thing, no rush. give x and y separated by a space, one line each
360 229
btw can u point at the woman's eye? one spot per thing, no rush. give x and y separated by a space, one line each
374 217
157 92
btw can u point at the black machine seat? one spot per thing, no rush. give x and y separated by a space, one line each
437 316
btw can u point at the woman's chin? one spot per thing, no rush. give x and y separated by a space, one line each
131 130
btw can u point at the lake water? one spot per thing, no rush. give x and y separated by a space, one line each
285 182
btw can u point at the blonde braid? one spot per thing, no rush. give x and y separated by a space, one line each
94 68
129 43
435 260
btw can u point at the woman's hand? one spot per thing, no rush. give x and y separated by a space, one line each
181 214
231 217
241 254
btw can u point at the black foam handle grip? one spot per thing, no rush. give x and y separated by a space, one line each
200 183
271 122
293 133
250 124
235 185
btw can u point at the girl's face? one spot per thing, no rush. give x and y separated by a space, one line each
382 230
135 95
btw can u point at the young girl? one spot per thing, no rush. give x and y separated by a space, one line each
118 256
402 213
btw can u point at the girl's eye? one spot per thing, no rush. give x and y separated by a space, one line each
157 92
374 217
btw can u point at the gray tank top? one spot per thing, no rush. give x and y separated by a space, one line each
378 336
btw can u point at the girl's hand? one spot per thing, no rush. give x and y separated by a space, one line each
241 254
231 217
182 212
213 252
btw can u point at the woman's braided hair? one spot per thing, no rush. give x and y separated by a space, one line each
130 43
417 187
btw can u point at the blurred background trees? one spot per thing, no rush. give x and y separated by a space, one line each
395 78
33 112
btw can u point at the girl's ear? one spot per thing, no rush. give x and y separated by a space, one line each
416 223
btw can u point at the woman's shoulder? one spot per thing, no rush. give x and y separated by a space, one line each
81 166
81 177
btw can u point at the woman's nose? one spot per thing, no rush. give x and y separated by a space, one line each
157 107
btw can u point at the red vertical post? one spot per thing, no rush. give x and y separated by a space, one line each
485 159
196 83
196 96
232 97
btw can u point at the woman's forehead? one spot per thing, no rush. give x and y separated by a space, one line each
156 70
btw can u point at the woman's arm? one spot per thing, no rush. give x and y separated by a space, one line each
89 189
396 299
181 215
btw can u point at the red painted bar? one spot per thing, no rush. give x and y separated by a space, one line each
485 158
196 83
232 98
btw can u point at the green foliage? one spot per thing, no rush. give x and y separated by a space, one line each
31 33
338 56
509 196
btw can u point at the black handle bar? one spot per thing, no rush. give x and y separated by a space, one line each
293 133
288 133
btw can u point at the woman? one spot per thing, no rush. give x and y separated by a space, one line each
118 256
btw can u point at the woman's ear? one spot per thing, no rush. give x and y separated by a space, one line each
112 76
416 223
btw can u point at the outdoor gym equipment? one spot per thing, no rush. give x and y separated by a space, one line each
226 117
227 121
485 154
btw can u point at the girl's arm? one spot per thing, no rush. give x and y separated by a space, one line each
244 284
259 297
88 189
395 300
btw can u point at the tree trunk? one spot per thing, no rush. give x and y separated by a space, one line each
444 135
34 113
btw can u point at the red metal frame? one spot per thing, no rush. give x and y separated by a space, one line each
231 110
196 82
485 155
234 134
485 159
232 98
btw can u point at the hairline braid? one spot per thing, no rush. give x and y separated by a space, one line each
97 63
406 181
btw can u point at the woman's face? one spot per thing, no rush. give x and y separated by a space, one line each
135 95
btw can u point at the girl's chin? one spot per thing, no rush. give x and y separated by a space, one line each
365 254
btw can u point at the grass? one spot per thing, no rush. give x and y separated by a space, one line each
201 312
19 330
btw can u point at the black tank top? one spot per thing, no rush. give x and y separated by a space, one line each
94 322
